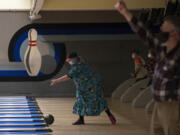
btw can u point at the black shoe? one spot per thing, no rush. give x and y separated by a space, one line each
78 122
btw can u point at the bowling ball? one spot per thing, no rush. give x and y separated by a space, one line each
49 119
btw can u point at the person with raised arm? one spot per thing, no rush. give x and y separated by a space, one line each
166 78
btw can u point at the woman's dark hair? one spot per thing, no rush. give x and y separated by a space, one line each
73 55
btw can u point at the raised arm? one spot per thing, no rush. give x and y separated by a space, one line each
136 25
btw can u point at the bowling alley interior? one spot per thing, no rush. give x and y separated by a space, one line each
80 67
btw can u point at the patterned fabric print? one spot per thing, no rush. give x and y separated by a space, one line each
89 91
167 72
150 65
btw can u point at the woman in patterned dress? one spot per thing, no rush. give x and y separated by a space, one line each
89 91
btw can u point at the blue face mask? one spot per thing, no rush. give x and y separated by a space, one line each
71 63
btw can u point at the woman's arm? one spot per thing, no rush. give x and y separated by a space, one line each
61 79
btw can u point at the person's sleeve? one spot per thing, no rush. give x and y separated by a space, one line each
177 65
178 72
138 27
73 72
137 60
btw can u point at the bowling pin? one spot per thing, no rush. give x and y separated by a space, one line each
32 57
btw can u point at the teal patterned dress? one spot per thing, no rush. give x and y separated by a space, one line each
89 91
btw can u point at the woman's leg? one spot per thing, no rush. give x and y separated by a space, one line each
110 115
80 121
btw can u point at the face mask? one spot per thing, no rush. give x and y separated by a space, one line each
163 36
149 55
133 56
71 63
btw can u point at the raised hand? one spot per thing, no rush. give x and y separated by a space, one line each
121 7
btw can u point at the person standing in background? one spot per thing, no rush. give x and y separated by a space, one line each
166 78
140 72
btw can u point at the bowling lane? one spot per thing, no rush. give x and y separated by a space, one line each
61 108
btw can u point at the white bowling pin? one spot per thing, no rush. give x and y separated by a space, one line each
32 57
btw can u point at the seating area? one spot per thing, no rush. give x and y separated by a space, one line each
137 94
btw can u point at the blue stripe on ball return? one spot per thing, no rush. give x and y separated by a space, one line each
16 99
21 112
37 127
21 115
25 133
24 130
25 105
13 97
22 122
17 102
36 118
19 109
11 103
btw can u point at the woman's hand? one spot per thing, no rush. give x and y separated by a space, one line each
53 82
59 80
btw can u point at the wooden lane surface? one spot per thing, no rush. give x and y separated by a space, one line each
61 108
